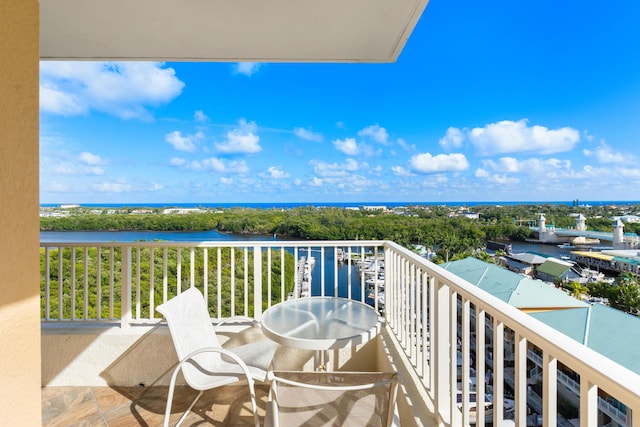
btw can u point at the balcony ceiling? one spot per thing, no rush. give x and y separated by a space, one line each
227 30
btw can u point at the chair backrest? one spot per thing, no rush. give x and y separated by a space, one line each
190 326
332 398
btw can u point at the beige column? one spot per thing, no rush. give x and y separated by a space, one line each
20 403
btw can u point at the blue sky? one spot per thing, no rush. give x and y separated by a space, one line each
489 101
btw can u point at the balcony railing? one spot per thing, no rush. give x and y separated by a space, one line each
434 317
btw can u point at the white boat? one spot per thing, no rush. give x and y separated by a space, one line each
566 245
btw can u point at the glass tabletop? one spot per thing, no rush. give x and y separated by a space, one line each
321 323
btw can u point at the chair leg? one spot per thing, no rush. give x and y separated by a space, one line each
189 409
172 386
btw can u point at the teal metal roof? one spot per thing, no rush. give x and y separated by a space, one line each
532 294
572 323
608 331
513 288
489 277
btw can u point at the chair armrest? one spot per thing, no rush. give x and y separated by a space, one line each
234 357
245 319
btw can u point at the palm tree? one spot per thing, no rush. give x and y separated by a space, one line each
578 290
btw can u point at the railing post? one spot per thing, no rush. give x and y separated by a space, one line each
441 336
550 391
125 292
257 282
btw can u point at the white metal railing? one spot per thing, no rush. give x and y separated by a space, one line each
433 314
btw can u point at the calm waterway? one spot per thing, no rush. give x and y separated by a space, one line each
345 275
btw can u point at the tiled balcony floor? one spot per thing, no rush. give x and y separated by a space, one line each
144 406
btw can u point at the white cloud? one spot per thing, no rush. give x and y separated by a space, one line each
212 164
275 172
335 169
177 161
307 134
122 89
183 143
226 181
605 154
62 163
348 146
316 182
155 187
376 133
247 68
513 137
401 171
200 116
452 139
120 186
242 140
90 158
402 143
426 163
532 166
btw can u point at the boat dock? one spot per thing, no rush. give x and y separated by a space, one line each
302 285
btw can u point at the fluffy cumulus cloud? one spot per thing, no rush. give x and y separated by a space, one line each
348 146
452 139
246 68
183 143
212 164
427 163
241 140
122 89
515 137
275 172
400 171
605 154
351 147
307 134
376 133
90 158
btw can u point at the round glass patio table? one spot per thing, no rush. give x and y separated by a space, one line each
321 323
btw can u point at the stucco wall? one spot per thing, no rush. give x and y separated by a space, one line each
19 223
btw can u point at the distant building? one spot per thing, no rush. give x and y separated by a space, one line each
181 211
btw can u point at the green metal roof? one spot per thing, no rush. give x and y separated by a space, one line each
552 268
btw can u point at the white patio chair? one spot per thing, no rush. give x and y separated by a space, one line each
332 399
202 360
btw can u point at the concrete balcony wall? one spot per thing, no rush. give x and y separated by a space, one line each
19 291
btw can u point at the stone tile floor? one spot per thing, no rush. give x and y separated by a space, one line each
145 406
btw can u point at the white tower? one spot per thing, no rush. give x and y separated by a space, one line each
618 234
581 224
542 222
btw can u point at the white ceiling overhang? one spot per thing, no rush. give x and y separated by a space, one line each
227 30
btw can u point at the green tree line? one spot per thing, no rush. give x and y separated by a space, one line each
74 289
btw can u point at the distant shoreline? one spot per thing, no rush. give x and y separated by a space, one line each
290 205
